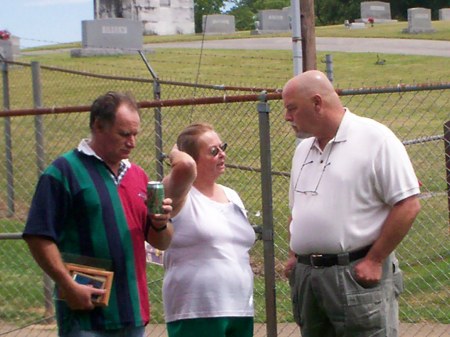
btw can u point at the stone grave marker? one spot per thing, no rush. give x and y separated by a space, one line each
379 11
10 48
357 25
419 21
444 14
218 24
273 20
110 36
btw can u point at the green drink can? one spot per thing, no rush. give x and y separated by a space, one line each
155 197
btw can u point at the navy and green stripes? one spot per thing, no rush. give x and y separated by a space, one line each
78 205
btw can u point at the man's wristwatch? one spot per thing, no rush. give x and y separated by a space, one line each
158 229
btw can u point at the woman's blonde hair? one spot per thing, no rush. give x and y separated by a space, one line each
187 141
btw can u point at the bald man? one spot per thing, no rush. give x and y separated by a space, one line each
353 197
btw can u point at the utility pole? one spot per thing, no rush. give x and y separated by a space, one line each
308 34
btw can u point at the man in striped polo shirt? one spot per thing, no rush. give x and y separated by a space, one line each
90 203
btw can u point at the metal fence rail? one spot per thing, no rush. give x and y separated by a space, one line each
261 145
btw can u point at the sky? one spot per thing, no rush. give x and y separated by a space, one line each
45 22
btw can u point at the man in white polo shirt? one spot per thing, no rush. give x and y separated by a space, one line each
353 197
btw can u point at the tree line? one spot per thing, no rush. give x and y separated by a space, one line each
328 12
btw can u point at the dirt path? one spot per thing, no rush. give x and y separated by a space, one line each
283 330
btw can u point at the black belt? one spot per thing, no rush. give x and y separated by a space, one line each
328 260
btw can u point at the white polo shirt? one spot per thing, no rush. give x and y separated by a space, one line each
339 198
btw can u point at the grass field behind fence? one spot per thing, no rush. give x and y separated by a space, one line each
410 115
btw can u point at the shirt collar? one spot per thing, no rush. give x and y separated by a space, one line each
85 148
342 133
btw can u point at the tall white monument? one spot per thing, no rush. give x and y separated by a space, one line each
158 17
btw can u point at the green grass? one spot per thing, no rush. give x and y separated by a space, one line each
423 254
425 296
249 68
21 284
386 30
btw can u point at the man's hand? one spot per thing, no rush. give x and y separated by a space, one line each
289 265
79 296
161 229
368 273
159 221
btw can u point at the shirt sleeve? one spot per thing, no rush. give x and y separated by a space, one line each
48 207
396 174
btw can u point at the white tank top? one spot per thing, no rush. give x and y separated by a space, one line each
207 266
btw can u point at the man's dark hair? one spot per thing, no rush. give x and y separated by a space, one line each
105 107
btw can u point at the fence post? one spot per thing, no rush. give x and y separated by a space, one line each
329 67
8 143
158 131
267 231
40 159
38 119
447 163
158 120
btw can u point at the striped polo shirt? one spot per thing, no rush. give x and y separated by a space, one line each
79 206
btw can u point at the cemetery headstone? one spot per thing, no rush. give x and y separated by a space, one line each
272 21
378 11
357 25
444 14
158 17
218 24
110 36
419 21
10 47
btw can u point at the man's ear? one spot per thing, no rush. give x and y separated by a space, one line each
317 101
98 125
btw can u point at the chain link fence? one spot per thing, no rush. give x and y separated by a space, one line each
252 123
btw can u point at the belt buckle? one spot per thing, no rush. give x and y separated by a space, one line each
311 259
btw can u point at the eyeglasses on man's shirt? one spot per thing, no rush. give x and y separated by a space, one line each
214 150
327 163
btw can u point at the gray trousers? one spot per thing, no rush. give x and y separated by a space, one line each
328 302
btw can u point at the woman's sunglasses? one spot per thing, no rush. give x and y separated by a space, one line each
214 151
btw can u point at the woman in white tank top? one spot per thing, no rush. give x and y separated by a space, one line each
208 282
